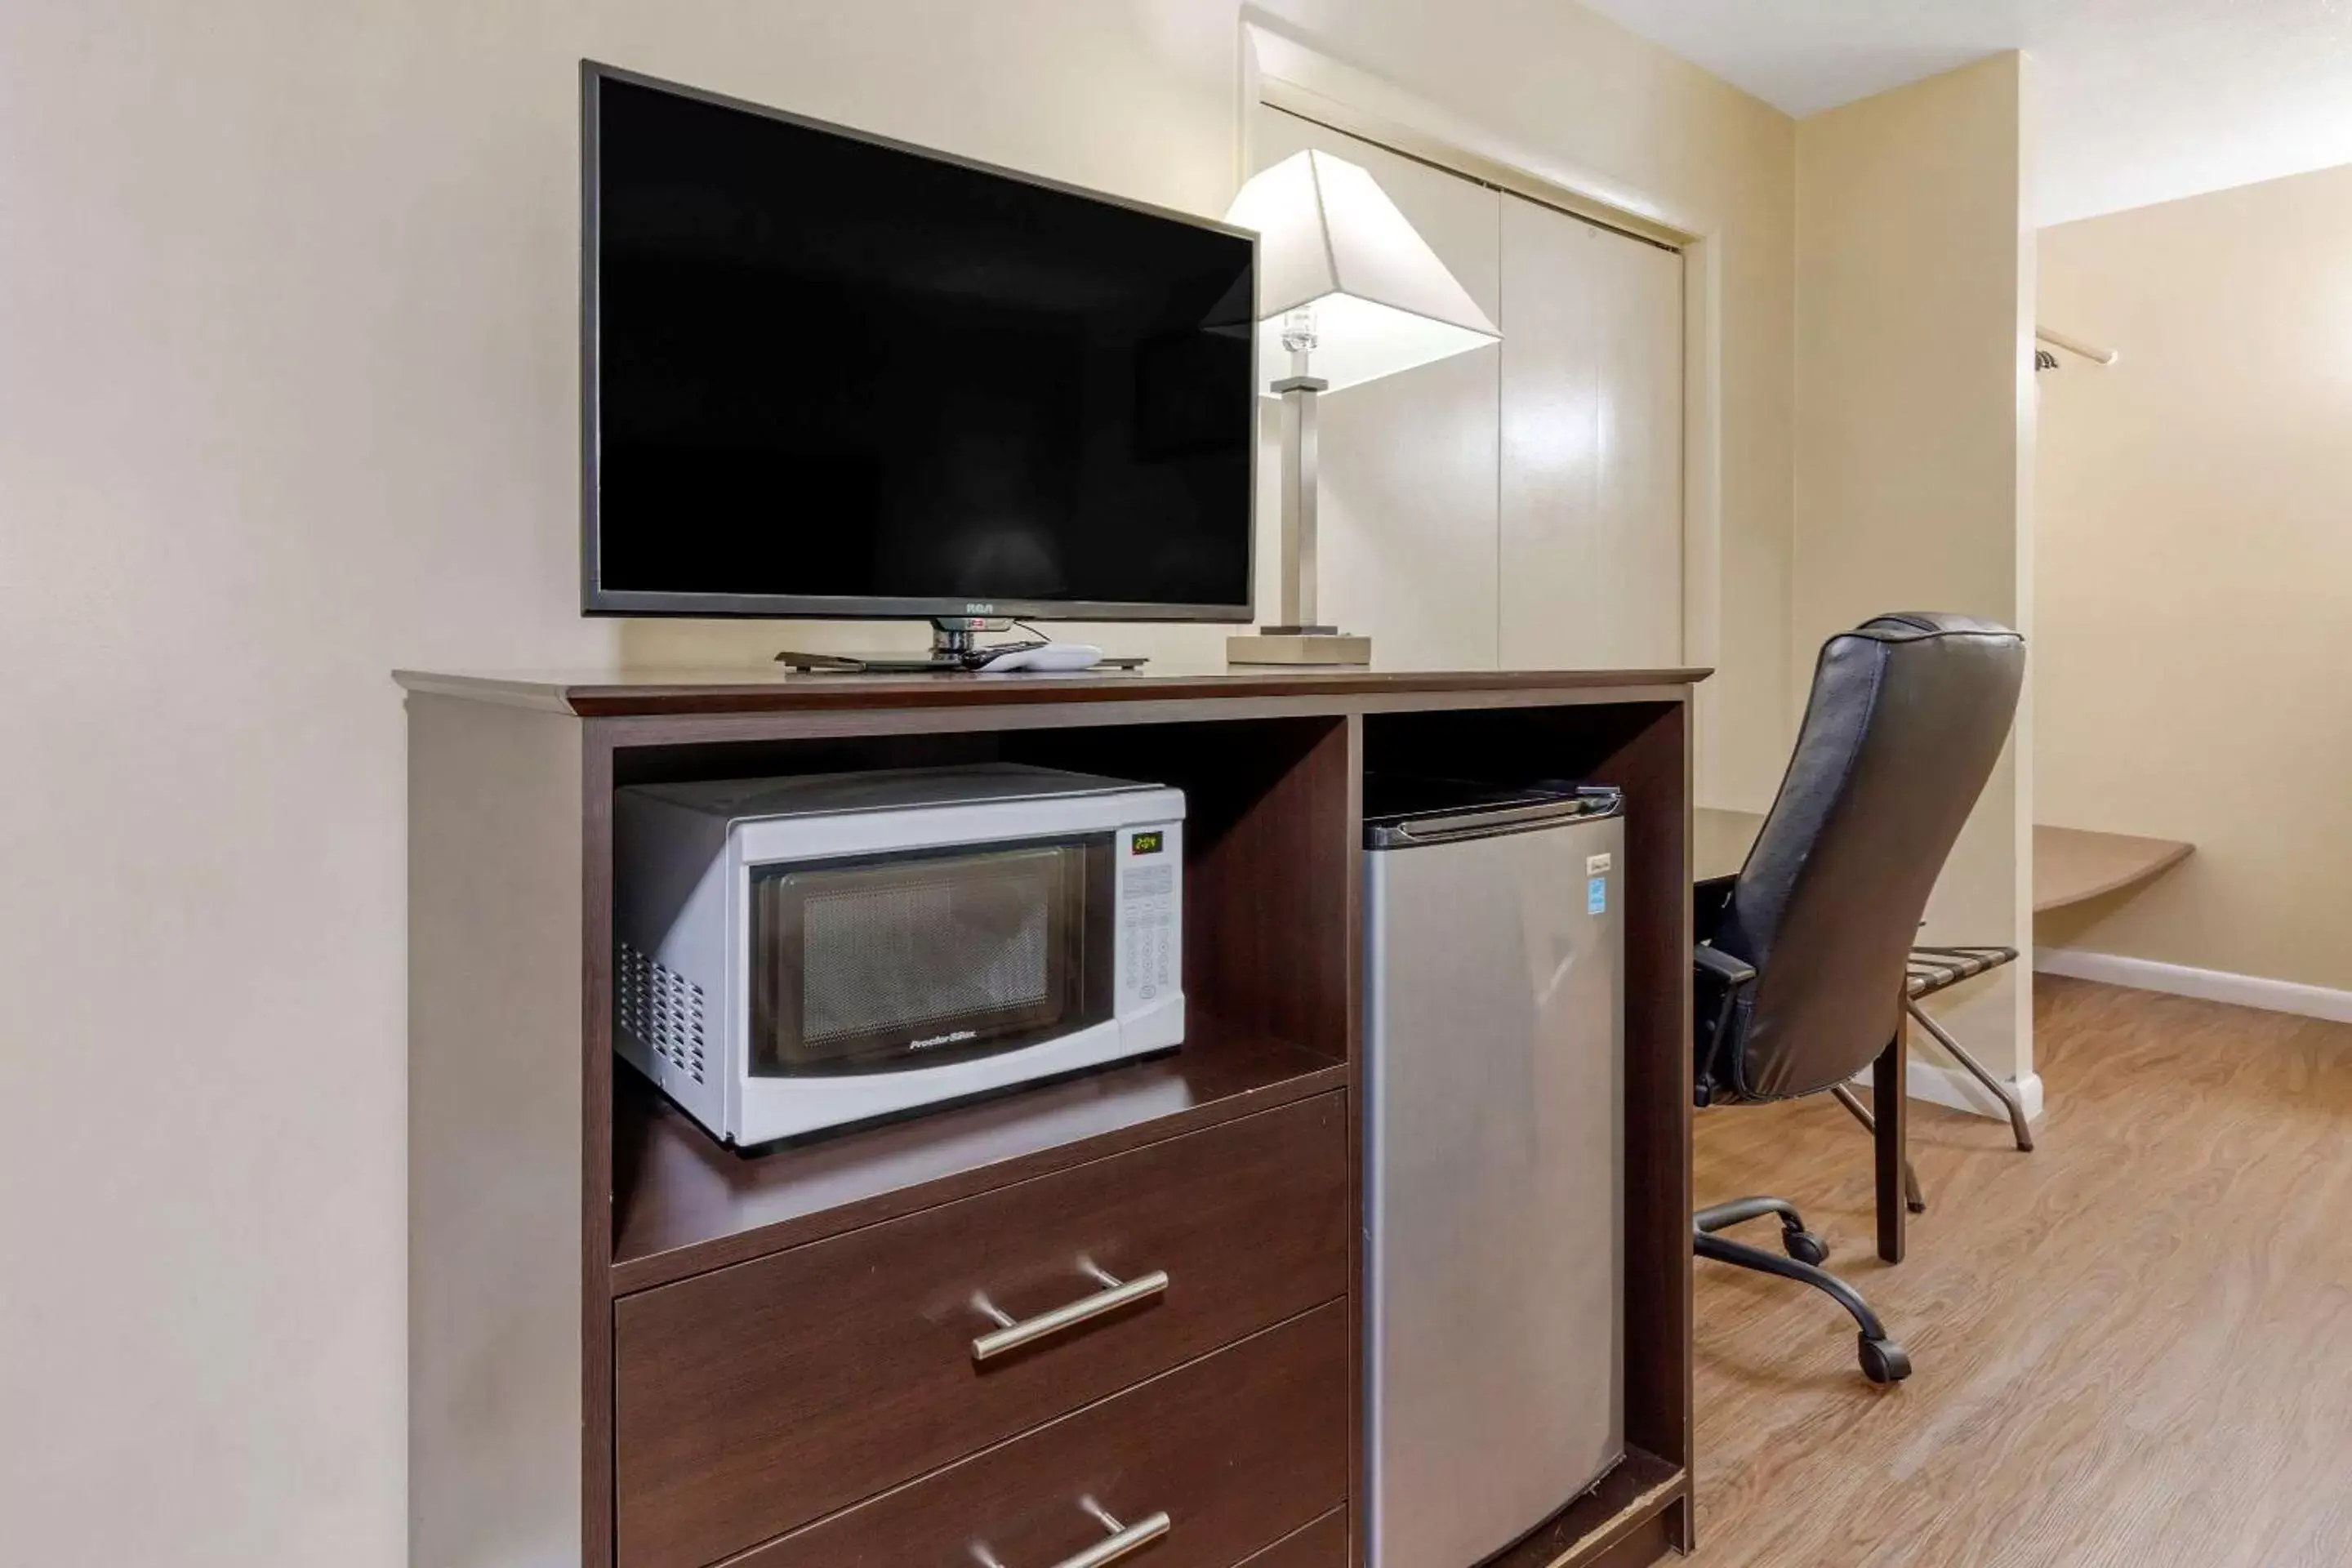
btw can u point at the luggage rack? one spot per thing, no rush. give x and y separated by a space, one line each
1928 971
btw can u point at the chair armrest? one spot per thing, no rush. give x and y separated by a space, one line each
1729 975
1713 961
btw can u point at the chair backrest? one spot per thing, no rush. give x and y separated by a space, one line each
1907 716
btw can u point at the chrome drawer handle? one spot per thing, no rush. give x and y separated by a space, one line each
1123 1539
1116 1293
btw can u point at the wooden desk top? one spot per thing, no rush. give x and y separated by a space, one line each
1719 840
609 693
2073 864
2069 864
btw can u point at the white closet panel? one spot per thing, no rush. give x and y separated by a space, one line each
1519 504
1640 471
1408 463
1591 524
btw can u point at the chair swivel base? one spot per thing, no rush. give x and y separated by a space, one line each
1882 1361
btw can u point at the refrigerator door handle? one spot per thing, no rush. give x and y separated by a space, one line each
1488 823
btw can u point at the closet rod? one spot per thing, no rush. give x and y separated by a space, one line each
2090 351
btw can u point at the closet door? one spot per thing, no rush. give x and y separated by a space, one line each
1407 463
1591 551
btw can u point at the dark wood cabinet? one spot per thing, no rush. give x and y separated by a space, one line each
753 1399
632 1347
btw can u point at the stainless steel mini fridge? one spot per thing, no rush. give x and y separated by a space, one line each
1494 1034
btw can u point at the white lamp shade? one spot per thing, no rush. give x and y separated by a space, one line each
1330 239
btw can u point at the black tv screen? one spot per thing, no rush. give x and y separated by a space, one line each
828 375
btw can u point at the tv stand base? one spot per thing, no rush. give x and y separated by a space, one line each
871 663
952 638
954 648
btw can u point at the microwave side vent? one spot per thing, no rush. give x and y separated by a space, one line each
662 1008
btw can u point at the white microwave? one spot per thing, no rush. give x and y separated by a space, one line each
794 955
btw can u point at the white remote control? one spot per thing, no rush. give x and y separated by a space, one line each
1045 656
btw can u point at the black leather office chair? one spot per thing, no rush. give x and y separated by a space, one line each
1801 956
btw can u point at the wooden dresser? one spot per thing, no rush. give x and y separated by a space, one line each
1109 1319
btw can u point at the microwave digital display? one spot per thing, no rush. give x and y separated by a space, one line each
1147 844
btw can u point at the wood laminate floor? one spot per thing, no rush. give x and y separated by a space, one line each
2134 1346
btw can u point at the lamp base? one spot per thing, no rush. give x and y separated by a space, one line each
1299 645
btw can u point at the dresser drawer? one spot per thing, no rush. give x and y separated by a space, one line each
1322 1544
1319 1546
753 1399
1205 1466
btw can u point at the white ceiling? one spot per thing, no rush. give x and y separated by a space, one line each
2139 100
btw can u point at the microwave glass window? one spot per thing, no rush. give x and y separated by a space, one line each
916 960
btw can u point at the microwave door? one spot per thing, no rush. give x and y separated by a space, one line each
899 963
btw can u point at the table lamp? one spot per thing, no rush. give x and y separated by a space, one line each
1347 293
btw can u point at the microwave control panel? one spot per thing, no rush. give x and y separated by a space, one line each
1151 912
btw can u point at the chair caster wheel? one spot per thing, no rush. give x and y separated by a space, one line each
1805 1247
1884 1360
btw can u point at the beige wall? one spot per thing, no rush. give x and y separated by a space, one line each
1915 429
287 397
2196 573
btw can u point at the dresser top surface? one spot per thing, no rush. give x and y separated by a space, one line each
614 692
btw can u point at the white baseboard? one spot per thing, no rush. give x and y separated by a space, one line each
1956 1090
2210 984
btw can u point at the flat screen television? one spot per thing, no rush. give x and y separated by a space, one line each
829 375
